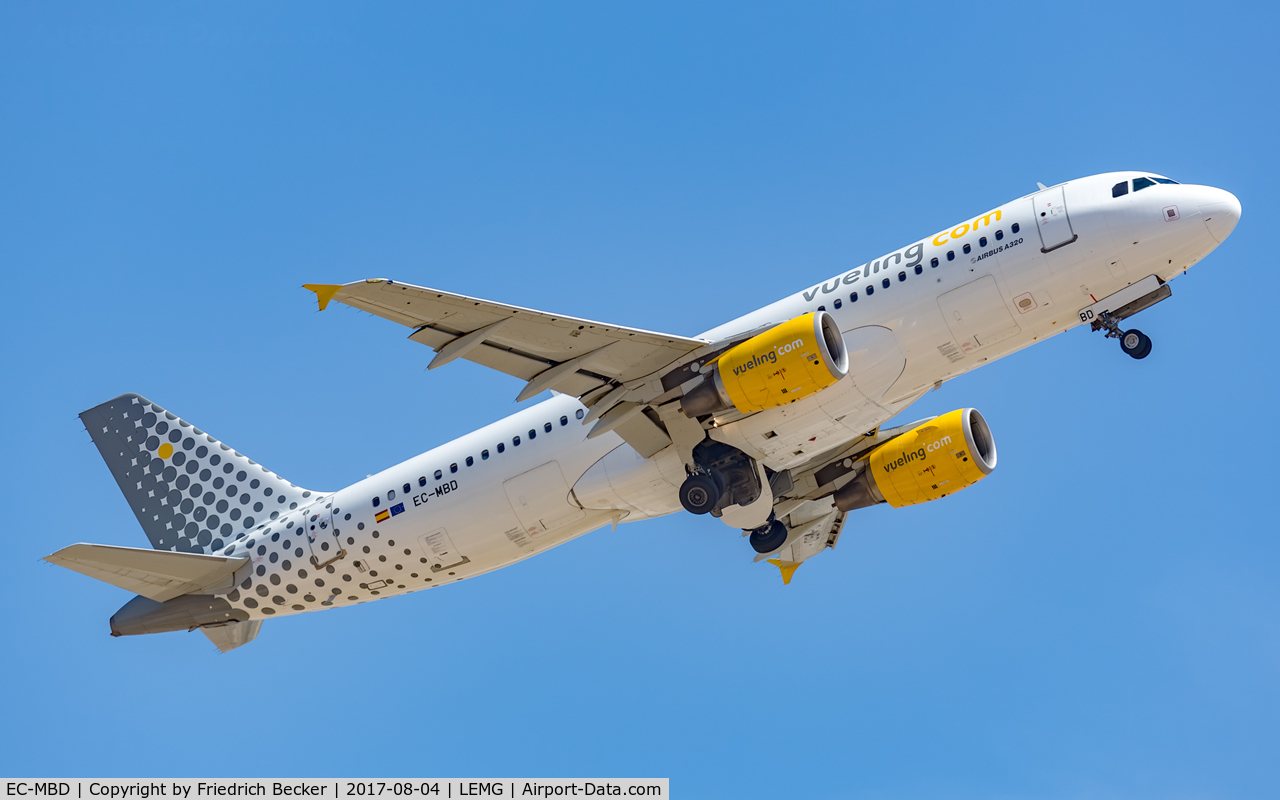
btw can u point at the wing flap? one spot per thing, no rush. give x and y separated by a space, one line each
159 575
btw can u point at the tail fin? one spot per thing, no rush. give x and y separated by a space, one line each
190 492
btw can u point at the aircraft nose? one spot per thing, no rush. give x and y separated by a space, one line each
1220 211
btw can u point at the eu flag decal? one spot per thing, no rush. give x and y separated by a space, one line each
398 508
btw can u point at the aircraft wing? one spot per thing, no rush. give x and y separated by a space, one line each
518 341
621 374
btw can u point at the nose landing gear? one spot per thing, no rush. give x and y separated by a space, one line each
1133 342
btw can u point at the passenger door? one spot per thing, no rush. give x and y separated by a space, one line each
1050 208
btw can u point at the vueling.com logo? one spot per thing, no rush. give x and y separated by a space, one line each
770 357
960 230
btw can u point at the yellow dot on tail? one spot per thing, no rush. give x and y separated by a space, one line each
166 450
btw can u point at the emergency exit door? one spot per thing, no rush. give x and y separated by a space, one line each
976 314
540 498
1050 208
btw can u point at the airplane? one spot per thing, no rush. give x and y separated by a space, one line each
773 423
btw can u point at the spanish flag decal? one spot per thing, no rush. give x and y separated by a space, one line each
382 516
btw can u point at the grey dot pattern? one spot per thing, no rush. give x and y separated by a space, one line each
203 497
179 508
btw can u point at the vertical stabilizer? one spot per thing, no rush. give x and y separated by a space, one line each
190 492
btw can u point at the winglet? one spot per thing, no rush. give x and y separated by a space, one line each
787 568
324 292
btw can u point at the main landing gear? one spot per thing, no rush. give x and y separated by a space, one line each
725 483
1134 342
700 492
769 537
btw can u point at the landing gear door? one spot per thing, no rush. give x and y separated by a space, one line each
1050 208
322 538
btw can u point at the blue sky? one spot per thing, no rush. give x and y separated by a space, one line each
1097 619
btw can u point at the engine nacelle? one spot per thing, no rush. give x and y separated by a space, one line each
938 458
784 364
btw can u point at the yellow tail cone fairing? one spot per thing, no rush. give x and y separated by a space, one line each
787 568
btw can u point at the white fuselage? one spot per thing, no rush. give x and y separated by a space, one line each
937 309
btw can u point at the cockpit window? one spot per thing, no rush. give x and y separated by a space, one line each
1120 189
1142 183
1164 180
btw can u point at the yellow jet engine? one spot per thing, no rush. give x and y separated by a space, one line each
933 460
784 364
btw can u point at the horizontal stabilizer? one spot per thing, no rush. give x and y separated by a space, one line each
233 634
156 574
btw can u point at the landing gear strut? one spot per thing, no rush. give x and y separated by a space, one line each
1134 342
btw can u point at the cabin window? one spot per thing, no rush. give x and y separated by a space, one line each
951 255
502 448
822 308
564 421
533 434
578 413
999 235
1014 227
515 441
484 455
885 283
1120 189
377 501
982 242
407 488
453 467
853 297
439 474
871 290
836 303
933 262
391 495
422 481
1142 183
902 276
471 462
919 269
546 426
967 248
